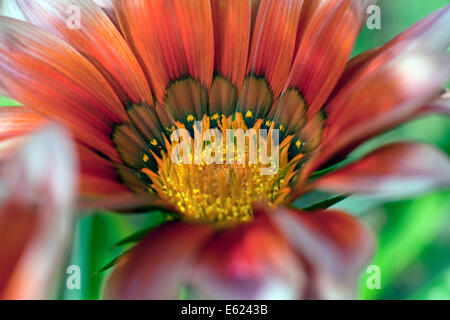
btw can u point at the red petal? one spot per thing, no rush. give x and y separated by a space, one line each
158 265
395 170
16 121
431 34
389 95
174 39
335 244
232 21
47 75
98 175
328 32
98 40
231 38
249 261
273 41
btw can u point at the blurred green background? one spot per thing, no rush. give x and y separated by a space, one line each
413 235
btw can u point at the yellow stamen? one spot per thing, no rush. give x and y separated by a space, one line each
222 192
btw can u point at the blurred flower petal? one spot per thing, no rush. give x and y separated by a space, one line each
157 267
439 106
36 214
384 99
395 170
249 261
335 244
429 35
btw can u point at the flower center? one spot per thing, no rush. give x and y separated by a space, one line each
218 168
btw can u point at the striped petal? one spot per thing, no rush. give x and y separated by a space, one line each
394 171
390 95
175 41
232 23
35 215
97 39
271 53
329 31
16 121
43 72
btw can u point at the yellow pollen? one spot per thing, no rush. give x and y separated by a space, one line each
222 192
190 118
154 142
249 114
145 158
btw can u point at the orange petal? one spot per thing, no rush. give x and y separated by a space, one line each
335 244
157 267
232 21
173 38
271 50
231 38
98 40
329 32
43 72
36 215
396 170
17 121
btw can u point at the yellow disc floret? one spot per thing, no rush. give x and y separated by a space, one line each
227 188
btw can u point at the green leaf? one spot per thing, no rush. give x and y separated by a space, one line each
96 234
135 237
112 263
318 200
158 218
325 204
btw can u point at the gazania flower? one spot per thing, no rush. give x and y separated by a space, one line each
137 70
